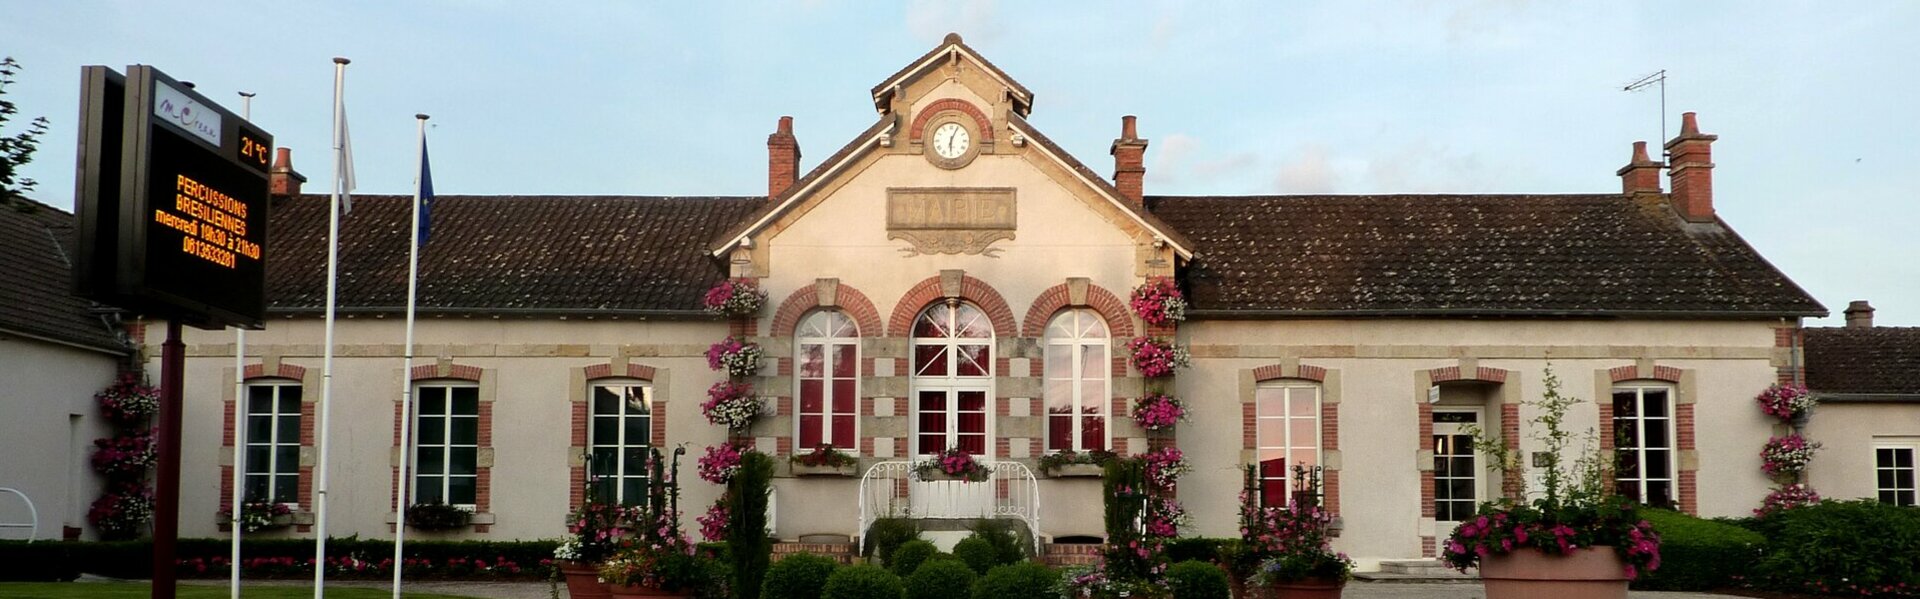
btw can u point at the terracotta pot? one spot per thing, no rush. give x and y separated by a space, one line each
1591 573
639 592
1312 588
583 581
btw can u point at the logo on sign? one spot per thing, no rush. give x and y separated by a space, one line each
183 112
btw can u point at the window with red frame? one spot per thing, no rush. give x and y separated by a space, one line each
827 369
1287 433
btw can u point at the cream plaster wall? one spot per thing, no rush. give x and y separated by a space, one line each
46 391
1844 469
528 364
1380 365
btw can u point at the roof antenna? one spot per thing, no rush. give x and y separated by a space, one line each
1657 78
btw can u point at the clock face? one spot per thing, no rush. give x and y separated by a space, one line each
951 140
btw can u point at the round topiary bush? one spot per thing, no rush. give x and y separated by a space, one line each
940 579
909 555
797 576
1025 580
978 553
862 582
1195 579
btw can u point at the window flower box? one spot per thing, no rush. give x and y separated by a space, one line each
824 461
1077 471
1071 464
952 464
800 469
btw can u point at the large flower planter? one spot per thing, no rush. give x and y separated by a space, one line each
583 581
1591 573
640 592
1312 588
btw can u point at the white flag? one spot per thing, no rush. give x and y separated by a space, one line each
346 164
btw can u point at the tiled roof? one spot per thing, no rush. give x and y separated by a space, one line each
498 254
1864 361
36 292
1600 255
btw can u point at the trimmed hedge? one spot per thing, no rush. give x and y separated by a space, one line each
862 582
909 555
978 554
887 534
1843 547
797 576
940 579
349 557
1025 580
1699 555
1195 579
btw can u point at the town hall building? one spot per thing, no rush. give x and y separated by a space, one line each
951 278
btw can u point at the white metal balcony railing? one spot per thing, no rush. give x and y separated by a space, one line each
32 524
893 489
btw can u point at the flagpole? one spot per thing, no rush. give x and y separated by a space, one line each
326 362
406 380
239 419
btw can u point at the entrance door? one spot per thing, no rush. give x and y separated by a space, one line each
1458 474
952 405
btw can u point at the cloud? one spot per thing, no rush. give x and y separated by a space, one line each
1310 170
976 20
1421 166
1178 157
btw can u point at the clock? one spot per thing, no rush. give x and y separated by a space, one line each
951 141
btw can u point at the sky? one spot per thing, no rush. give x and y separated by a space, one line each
1817 165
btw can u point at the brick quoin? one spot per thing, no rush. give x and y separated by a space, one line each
1055 298
1422 442
938 106
974 290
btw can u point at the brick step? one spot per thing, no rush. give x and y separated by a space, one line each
1071 554
840 552
1416 569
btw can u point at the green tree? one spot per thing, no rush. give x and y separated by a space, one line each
17 149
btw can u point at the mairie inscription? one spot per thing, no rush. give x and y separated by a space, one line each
949 220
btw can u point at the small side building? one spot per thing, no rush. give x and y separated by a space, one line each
1868 380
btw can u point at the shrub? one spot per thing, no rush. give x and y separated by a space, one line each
1011 542
1849 547
909 556
1195 579
977 553
44 561
887 534
1025 580
748 546
940 579
434 515
1699 555
797 576
862 582
1206 549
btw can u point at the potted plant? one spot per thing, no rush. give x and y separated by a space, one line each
952 464
658 562
1075 464
1155 357
256 516
1791 404
731 405
594 532
823 461
1159 302
1158 412
720 463
1575 540
735 297
738 358
1288 550
434 516
1783 458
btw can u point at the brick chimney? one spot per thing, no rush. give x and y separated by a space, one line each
783 159
1690 160
1641 174
1859 315
282 180
1129 161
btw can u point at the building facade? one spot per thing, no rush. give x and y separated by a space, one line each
952 278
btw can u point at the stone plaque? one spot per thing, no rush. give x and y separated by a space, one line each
950 220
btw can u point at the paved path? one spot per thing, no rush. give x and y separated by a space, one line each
538 590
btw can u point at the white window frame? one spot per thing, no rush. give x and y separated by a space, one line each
1288 444
1076 348
952 383
273 443
1640 420
1479 476
620 445
827 367
1910 445
446 444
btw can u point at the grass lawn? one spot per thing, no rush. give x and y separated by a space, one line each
139 590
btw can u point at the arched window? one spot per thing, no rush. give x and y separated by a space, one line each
952 378
1078 374
827 365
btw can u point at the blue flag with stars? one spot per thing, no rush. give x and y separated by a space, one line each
426 194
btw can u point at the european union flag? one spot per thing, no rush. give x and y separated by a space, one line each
426 194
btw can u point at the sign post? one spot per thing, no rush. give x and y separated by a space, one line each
172 206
